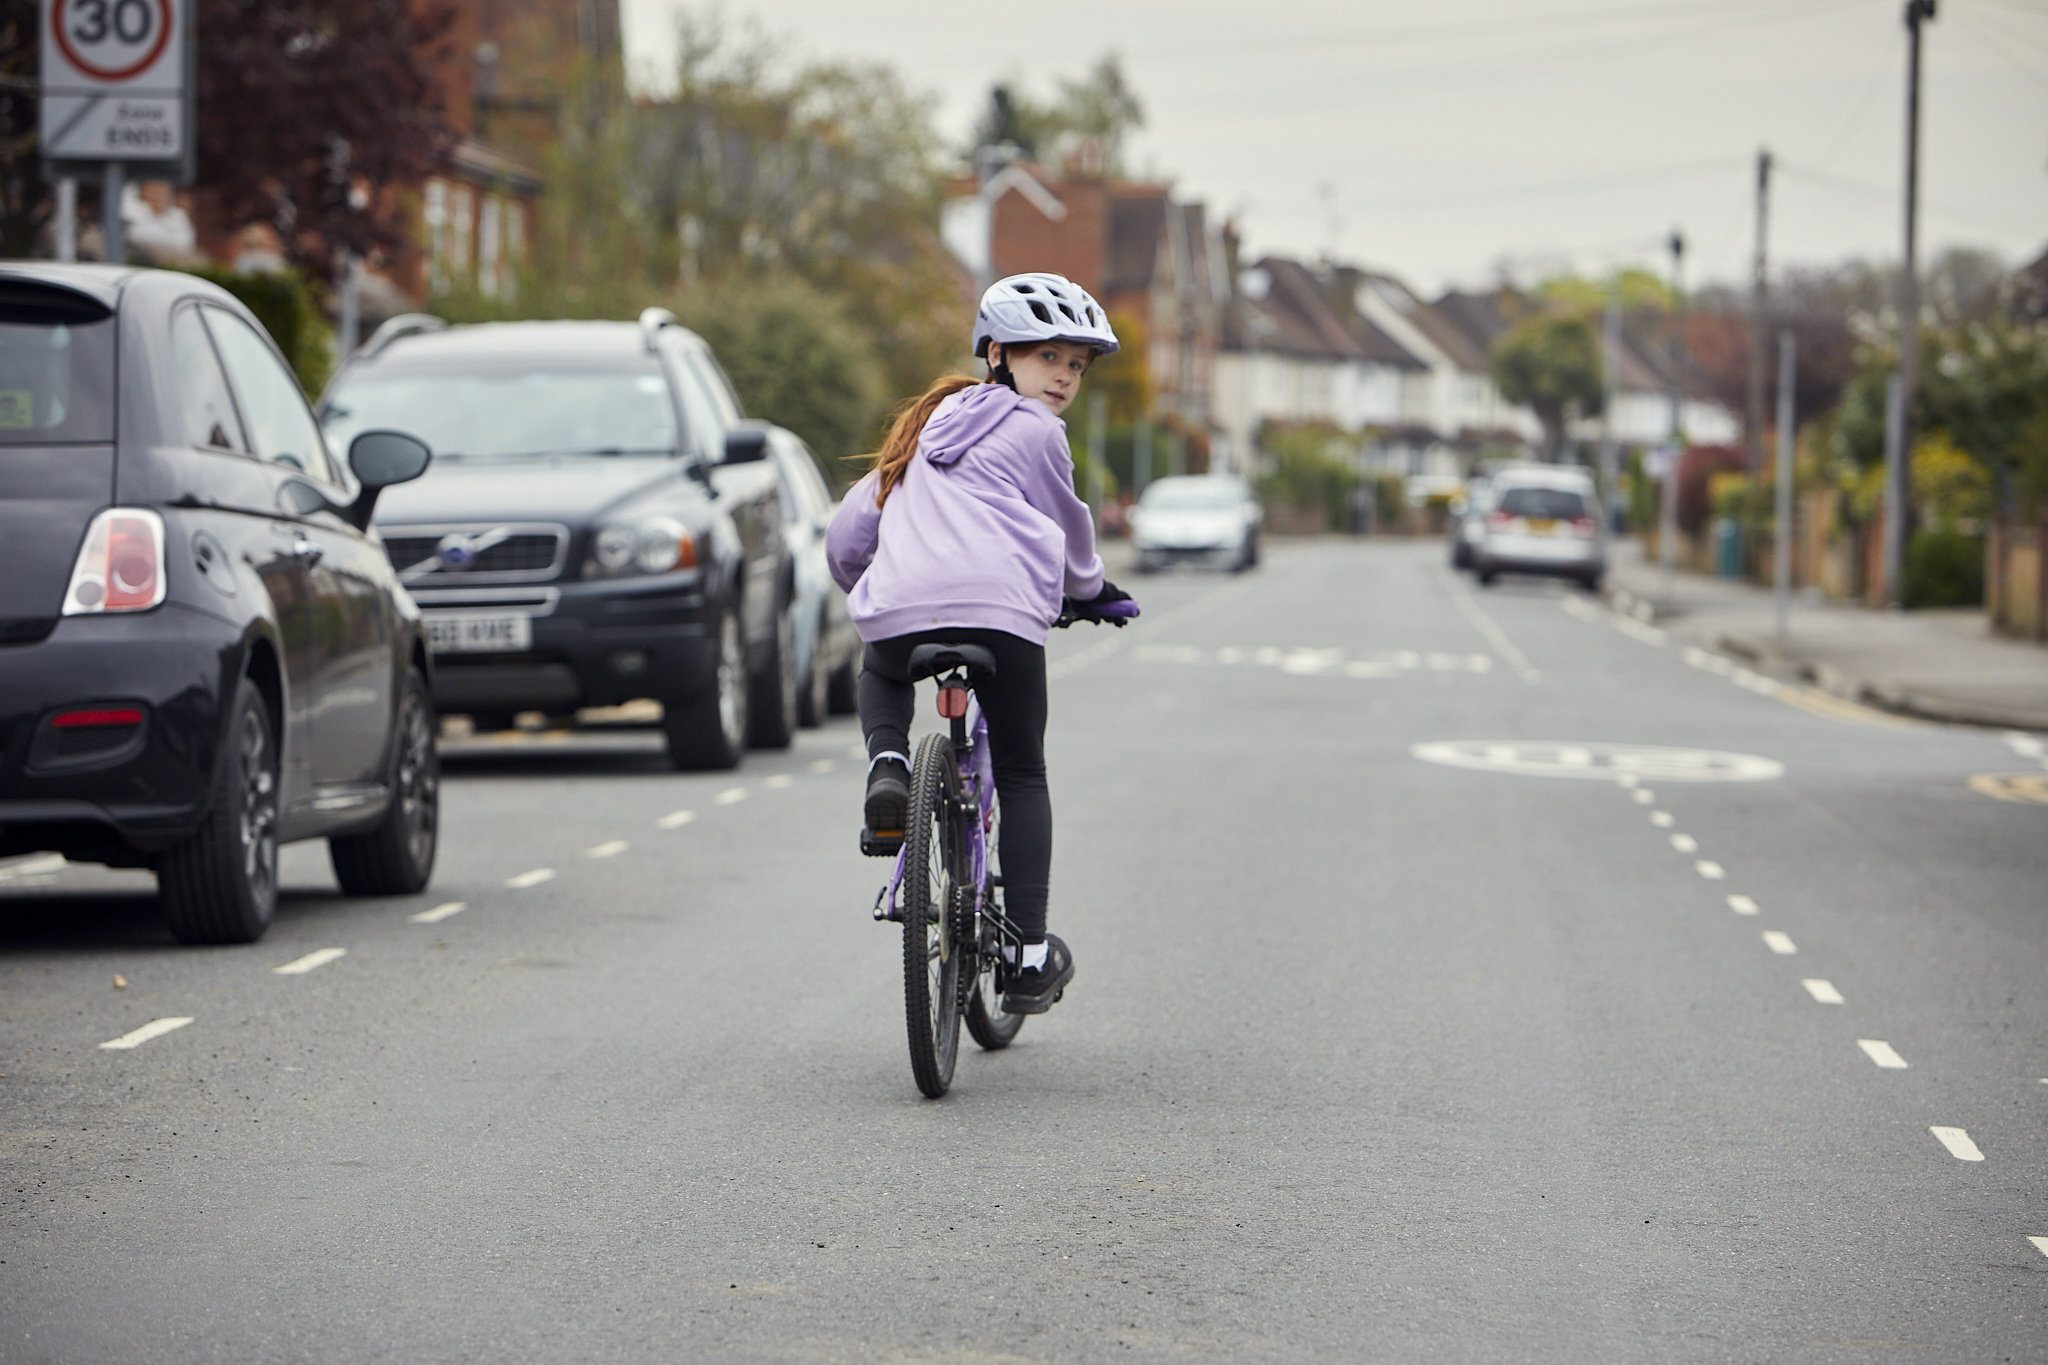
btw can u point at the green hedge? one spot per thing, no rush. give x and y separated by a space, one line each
1944 569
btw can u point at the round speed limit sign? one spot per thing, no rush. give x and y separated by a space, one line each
112 40
114 80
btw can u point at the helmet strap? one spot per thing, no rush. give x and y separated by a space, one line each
1000 372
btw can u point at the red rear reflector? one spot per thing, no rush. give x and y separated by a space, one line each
77 720
952 702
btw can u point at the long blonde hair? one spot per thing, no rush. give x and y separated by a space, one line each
901 443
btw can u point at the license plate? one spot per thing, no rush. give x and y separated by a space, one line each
1542 526
479 634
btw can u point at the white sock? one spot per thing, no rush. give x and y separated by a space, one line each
1034 956
880 758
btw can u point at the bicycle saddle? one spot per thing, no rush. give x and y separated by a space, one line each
928 661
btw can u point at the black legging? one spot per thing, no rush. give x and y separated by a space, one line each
1014 703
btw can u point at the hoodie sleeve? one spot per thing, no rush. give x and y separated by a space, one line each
1050 489
856 527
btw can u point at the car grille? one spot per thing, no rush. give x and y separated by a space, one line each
476 553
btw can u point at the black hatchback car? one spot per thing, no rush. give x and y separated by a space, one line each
203 651
602 525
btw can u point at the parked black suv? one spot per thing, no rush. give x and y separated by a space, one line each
601 524
203 652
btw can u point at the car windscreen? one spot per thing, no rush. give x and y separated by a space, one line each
1553 504
1190 497
509 414
56 367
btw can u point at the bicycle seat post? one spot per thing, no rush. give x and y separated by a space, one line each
953 705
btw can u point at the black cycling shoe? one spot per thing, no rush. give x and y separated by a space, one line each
888 802
1035 991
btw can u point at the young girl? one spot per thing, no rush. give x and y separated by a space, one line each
968 530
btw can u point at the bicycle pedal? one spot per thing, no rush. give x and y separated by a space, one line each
881 845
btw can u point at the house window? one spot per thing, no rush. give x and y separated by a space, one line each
462 223
436 215
489 255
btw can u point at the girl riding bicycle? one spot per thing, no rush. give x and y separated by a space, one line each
968 530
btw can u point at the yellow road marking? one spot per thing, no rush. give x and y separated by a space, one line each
2026 788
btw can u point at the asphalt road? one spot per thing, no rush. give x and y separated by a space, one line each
1656 1013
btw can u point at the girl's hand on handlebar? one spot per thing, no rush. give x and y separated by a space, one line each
1112 605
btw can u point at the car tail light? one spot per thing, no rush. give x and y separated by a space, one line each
1582 526
1498 521
105 716
121 565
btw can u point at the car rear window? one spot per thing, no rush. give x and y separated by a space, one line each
56 367
1203 496
508 414
1555 504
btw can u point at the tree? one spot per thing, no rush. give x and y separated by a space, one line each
303 104
1550 362
24 196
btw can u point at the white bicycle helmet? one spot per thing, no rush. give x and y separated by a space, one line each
1041 307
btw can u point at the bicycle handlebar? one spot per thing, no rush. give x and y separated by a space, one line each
1118 614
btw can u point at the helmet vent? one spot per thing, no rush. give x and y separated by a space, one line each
1041 312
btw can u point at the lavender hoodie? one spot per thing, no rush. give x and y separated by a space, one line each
982 530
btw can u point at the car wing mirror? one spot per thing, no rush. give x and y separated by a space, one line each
744 445
380 459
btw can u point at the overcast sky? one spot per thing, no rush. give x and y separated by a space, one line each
1448 139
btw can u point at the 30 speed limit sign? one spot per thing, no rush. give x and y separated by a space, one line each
116 80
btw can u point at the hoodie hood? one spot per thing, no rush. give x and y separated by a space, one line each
964 419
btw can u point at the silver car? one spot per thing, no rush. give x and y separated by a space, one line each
1202 519
1542 521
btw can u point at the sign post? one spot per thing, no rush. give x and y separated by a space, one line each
117 95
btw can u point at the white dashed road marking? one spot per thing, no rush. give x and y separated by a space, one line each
1881 1052
732 794
1644 796
1742 905
676 819
310 962
1663 819
1823 991
1962 1149
1779 942
823 765
607 850
778 782
1709 869
533 878
155 1028
1685 843
439 912
2040 1244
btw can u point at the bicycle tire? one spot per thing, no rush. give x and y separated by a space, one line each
992 1027
933 875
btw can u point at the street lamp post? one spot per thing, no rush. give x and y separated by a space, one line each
1898 482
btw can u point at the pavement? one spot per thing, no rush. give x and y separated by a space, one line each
1941 665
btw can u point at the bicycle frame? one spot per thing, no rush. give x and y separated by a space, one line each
977 776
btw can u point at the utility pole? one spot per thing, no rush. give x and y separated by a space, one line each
1610 354
1667 521
1898 482
1781 561
1753 425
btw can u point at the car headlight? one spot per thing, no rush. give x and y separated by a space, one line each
656 545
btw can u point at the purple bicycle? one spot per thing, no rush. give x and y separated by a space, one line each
944 889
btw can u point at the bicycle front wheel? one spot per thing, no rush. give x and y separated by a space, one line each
933 878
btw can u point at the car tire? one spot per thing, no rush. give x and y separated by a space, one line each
709 732
813 697
1486 576
842 696
491 722
773 705
1591 583
220 885
396 858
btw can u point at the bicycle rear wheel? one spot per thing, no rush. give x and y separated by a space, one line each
991 1026
933 877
